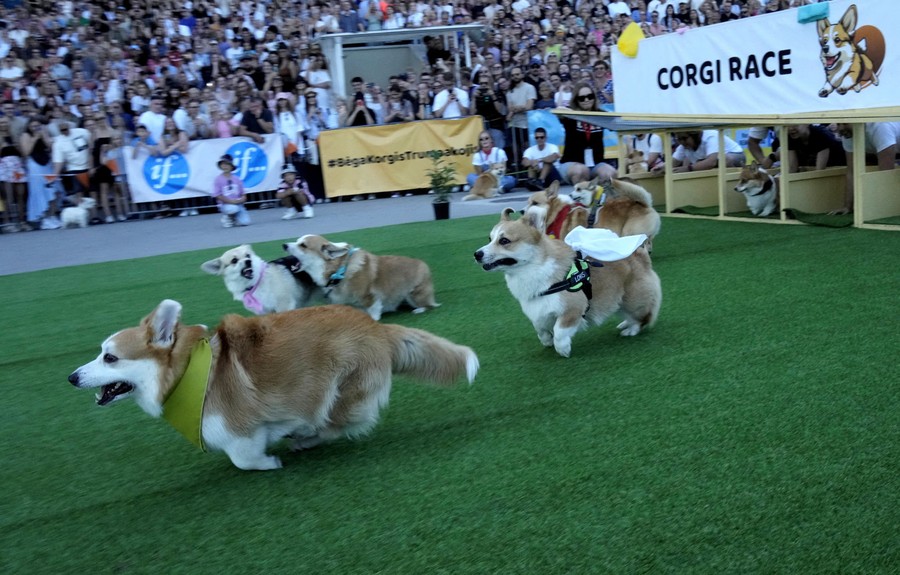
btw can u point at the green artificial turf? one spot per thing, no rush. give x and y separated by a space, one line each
754 429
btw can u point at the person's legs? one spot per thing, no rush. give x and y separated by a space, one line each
574 172
507 183
549 175
242 216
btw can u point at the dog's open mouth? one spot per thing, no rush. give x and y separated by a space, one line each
111 392
497 263
247 273
830 62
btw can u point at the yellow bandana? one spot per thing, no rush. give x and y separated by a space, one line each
183 409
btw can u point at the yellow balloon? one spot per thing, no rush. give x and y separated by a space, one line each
628 41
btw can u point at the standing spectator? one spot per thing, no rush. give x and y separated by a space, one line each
228 191
519 100
154 119
882 140
545 100
12 175
603 83
256 121
101 179
563 96
486 104
319 79
583 151
71 153
349 20
451 102
192 121
423 102
398 109
35 145
358 114
541 160
288 125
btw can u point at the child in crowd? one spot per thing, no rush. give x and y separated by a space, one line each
293 191
228 190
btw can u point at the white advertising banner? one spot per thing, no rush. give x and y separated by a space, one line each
846 56
190 175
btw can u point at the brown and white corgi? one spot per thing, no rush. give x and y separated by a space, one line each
852 58
629 211
758 187
635 163
487 184
314 374
555 213
535 265
353 276
264 287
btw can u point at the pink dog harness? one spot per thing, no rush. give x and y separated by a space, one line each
250 301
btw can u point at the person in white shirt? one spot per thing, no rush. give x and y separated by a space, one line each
882 140
154 118
451 102
541 160
652 147
617 7
71 157
700 151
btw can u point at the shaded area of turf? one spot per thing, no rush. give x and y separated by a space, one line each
754 429
827 220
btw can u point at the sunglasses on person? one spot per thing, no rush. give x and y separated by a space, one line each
540 137
585 97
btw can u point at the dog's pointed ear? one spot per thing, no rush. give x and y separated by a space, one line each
163 321
332 251
553 190
213 267
848 20
505 215
821 25
754 166
533 221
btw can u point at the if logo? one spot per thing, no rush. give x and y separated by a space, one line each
167 175
250 163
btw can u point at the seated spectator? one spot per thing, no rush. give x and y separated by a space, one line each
256 121
541 160
486 157
882 140
652 147
583 151
699 150
812 147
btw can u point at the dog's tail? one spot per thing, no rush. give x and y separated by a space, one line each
429 357
632 191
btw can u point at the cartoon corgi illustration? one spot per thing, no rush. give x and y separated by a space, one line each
852 58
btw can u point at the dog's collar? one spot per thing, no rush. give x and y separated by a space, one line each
250 300
766 187
556 227
577 279
183 409
337 276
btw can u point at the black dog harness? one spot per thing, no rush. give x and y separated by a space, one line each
577 279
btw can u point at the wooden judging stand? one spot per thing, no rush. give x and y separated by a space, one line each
876 193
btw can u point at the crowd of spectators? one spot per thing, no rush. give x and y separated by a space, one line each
158 73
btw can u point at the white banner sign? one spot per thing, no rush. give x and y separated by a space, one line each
190 175
846 57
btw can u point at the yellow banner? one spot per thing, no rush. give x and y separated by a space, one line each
394 157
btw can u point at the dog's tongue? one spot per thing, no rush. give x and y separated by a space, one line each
247 273
109 392
830 60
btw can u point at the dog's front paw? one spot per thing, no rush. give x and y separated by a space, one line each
546 338
823 93
563 348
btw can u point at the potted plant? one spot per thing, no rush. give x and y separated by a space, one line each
442 179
